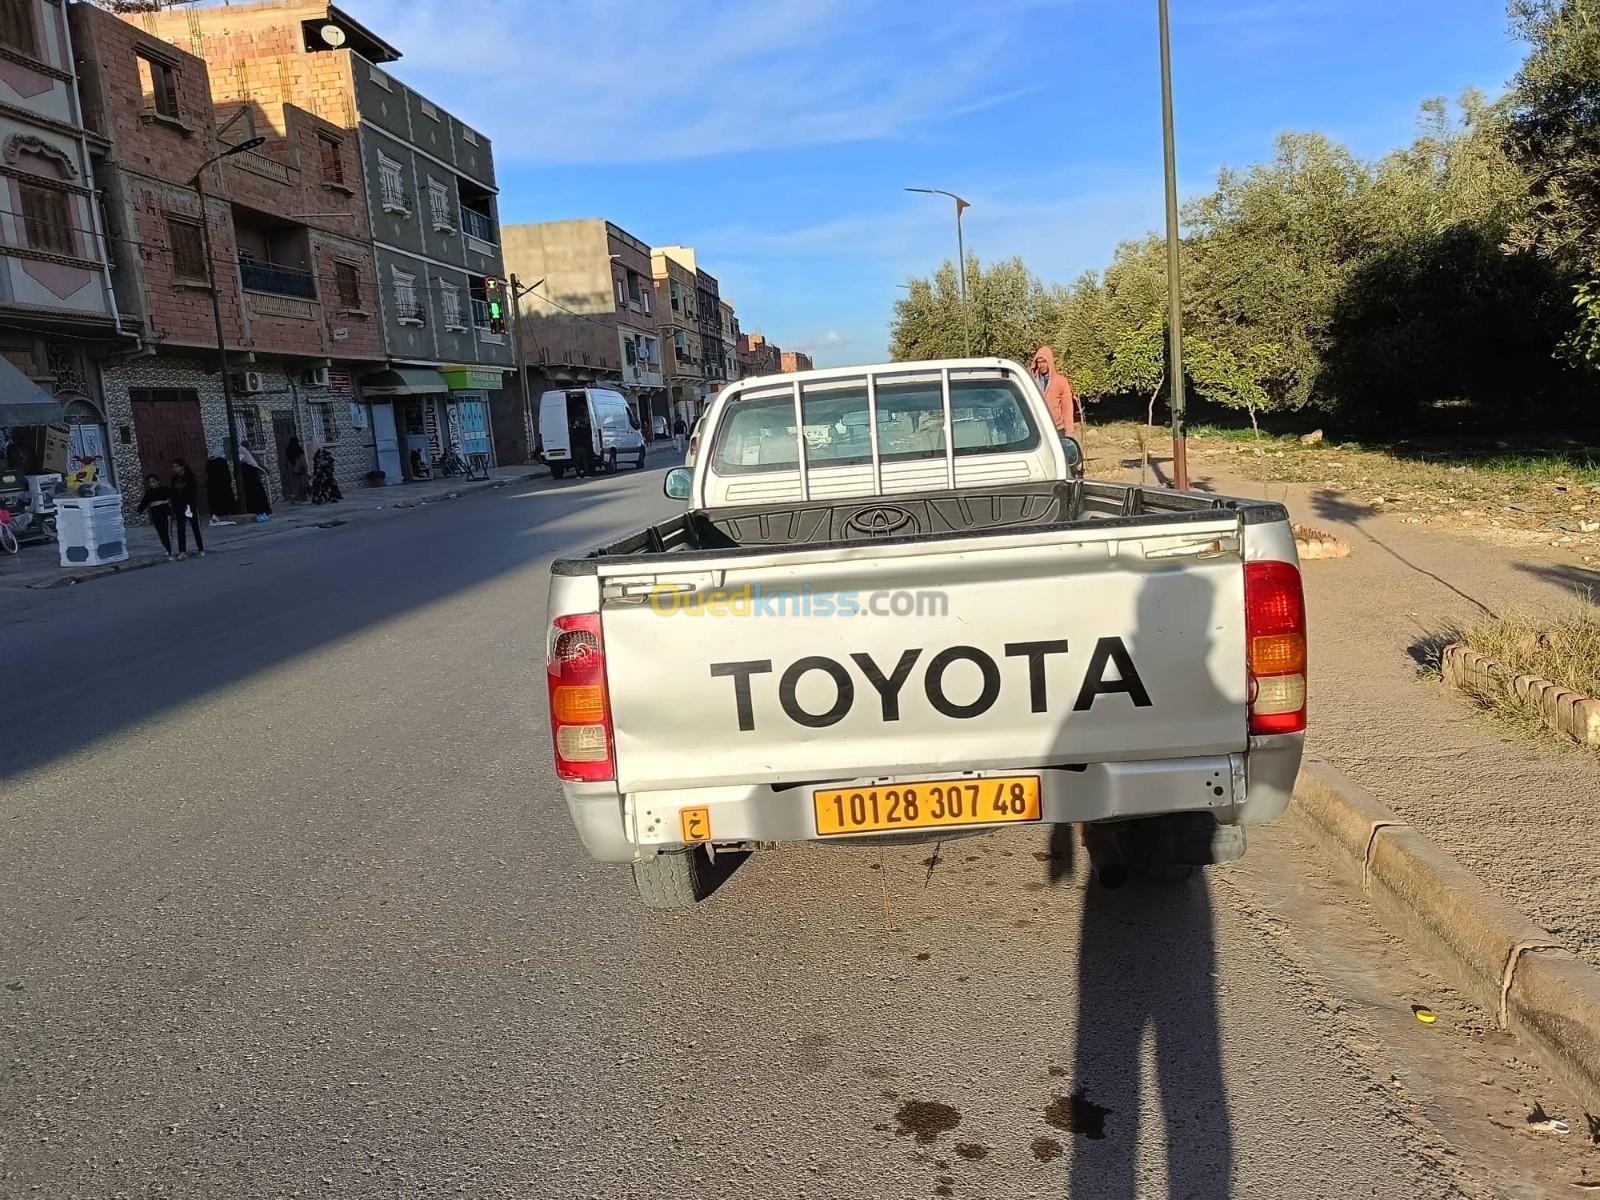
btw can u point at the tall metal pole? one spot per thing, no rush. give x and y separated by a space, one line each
1180 434
522 369
961 257
216 316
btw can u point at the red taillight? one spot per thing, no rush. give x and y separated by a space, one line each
1275 630
580 710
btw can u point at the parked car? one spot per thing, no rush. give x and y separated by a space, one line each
893 608
611 423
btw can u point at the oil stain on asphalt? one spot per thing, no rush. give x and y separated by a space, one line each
1078 1114
925 1120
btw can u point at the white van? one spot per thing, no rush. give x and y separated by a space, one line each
604 415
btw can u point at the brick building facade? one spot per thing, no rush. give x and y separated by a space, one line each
292 266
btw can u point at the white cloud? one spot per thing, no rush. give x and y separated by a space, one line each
594 81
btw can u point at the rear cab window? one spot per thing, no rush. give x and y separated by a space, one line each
987 416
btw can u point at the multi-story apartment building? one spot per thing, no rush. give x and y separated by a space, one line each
586 315
429 191
708 308
730 341
291 263
57 311
678 318
757 356
795 360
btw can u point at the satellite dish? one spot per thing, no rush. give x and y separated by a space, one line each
333 35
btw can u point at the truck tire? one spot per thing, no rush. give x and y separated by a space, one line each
639 466
674 878
557 470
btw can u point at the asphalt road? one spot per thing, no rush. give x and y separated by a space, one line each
292 907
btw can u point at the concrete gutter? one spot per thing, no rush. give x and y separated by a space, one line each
1515 970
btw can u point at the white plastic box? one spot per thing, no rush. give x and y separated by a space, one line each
89 530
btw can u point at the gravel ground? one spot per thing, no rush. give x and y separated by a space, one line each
1519 810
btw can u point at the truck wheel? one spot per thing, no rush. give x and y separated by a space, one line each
639 466
674 878
612 464
557 470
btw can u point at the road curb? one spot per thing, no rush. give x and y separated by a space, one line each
1558 709
1515 970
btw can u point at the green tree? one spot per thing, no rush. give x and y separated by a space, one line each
1554 129
1009 311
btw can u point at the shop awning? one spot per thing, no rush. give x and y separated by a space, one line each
24 402
403 381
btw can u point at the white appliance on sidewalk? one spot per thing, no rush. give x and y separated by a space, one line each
89 530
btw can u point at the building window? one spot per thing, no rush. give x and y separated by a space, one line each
408 308
621 298
439 205
187 240
450 303
159 80
379 78
428 108
46 217
331 155
468 136
347 280
392 184
16 26
644 298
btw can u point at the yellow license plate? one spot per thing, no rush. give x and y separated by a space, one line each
931 804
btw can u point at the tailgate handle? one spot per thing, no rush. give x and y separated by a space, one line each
638 589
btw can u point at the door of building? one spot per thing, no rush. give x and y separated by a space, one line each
474 416
282 430
166 422
386 441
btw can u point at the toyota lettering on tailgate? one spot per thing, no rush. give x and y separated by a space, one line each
1109 670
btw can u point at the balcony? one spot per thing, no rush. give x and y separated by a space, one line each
475 224
279 281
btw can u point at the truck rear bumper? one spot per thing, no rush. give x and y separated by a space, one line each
1235 789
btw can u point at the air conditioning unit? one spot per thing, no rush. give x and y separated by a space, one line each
249 382
316 377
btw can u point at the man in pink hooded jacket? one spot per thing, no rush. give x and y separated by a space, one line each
1057 389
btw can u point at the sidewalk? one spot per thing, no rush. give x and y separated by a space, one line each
1517 810
39 566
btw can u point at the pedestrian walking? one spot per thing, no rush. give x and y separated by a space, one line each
324 487
1057 389
680 433
156 503
253 485
581 435
294 454
186 508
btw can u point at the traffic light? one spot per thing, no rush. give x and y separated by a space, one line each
494 293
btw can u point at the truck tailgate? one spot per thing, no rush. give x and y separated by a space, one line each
1052 647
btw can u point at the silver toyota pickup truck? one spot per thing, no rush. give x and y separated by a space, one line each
892 609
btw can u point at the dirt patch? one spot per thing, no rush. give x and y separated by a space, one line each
925 1120
972 1151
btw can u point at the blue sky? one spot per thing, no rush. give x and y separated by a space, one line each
776 137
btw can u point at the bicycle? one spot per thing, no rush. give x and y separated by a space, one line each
8 539
451 466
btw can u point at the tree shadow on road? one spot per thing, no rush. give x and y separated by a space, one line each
124 651
1338 508
1583 580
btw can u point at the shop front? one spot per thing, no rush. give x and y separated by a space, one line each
413 402
468 412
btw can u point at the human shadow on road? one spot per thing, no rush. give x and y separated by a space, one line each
1146 958
1146 955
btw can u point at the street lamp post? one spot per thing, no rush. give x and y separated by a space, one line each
199 185
517 292
1180 433
961 257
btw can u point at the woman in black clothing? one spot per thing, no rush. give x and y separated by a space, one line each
186 507
157 502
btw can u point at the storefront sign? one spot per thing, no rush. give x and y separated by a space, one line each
471 379
339 382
